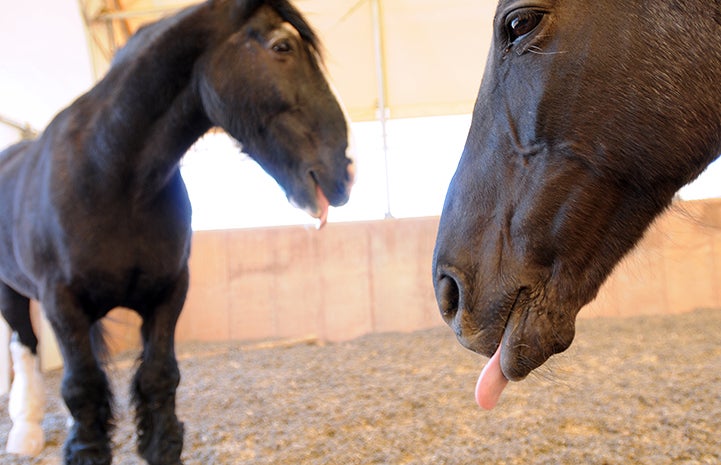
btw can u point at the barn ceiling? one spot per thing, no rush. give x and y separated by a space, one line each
390 58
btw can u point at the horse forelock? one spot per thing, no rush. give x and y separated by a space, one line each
244 9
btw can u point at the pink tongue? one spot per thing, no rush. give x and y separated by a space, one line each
491 383
322 206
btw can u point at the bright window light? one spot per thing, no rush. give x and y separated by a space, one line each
229 190
706 186
423 154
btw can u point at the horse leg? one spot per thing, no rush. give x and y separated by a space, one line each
27 394
85 388
160 434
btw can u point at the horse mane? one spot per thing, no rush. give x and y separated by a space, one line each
147 34
242 10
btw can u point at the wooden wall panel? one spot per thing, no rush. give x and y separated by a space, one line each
352 279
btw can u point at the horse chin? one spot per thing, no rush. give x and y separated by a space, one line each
531 336
317 206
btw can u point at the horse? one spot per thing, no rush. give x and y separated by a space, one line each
94 213
591 114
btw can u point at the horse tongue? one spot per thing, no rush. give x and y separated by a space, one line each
491 383
323 205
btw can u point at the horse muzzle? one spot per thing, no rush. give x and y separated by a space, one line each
519 321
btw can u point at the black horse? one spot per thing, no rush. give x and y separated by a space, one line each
94 213
590 116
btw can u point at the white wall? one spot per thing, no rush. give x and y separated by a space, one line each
44 65
44 61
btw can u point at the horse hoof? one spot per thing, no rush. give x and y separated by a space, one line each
25 439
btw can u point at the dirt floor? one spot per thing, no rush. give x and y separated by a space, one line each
632 391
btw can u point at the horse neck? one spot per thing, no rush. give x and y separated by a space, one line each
145 113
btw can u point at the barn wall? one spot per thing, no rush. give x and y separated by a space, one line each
356 278
675 269
338 283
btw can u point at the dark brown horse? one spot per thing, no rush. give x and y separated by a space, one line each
590 116
94 213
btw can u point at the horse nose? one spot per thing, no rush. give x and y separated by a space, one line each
448 294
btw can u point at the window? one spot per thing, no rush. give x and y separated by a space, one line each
707 185
229 190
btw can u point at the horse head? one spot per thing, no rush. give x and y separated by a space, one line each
264 84
591 114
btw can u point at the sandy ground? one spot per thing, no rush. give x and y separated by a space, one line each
630 391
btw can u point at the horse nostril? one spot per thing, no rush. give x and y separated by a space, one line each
448 294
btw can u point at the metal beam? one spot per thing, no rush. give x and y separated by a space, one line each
112 15
26 131
378 42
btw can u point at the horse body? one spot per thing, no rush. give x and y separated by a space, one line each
112 156
96 215
590 116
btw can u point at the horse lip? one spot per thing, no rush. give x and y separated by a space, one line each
311 189
314 176
530 336
335 197
476 344
503 342
317 187
514 306
486 340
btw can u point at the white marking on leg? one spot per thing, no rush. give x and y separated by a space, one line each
27 403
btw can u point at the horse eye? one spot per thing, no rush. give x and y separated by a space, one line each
281 46
521 23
